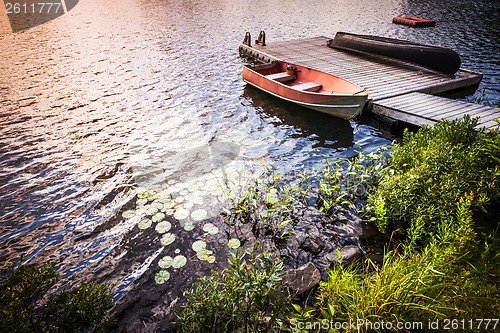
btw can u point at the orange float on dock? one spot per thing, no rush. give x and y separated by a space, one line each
413 21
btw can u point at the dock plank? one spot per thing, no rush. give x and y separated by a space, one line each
418 108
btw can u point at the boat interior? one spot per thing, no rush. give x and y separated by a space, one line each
307 79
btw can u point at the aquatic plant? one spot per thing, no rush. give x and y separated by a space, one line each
163 227
30 303
179 261
234 243
246 297
199 245
211 229
348 182
162 276
199 214
269 205
166 262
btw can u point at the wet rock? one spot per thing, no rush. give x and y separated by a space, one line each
302 279
292 248
348 254
313 216
347 229
245 234
349 241
313 245
369 231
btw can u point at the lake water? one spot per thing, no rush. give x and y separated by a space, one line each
112 89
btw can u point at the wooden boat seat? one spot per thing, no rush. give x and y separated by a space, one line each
308 86
281 77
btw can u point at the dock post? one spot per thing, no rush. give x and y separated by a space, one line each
262 38
248 39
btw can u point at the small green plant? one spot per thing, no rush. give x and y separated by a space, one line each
268 205
345 182
28 303
246 297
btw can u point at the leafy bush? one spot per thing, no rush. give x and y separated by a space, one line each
28 305
432 169
414 286
245 297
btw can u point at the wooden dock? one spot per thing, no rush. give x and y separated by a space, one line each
396 89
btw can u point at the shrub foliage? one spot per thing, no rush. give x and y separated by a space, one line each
245 297
432 169
28 303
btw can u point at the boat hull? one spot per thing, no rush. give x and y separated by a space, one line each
342 105
433 57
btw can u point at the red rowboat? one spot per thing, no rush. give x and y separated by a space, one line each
307 87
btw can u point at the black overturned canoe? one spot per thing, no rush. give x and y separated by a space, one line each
434 57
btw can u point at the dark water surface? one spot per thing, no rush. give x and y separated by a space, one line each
116 87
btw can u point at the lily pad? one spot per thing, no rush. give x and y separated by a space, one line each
188 226
164 196
151 210
199 245
179 199
158 205
163 227
135 219
158 217
211 229
168 204
142 202
193 187
144 223
204 254
179 261
198 200
181 214
128 213
168 239
199 214
142 195
166 262
211 259
234 243
140 211
162 276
